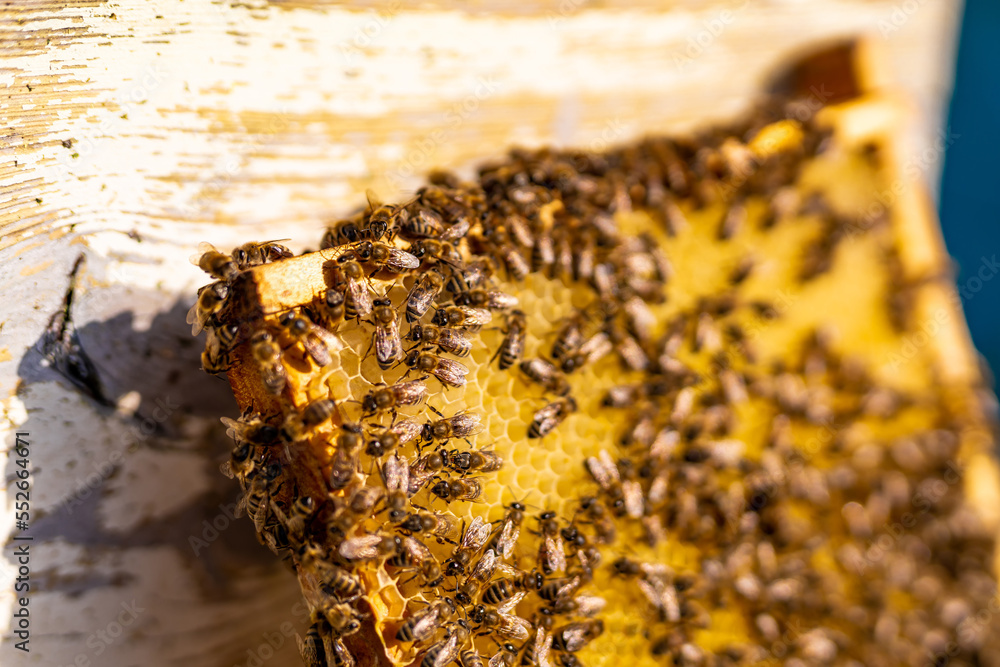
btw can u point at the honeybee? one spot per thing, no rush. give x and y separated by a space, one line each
502 619
211 299
462 317
505 657
217 264
462 425
343 467
481 460
215 358
503 589
298 426
388 346
254 254
321 649
553 414
446 339
439 251
457 489
481 573
505 538
448 371
250 428
557 590
604 471
240 462
424 623
333 308
547 375
536 652
299 328
425 223
470 658
369 547
384 256
595 348
256 501
442 653
342 618
515 263
422 295
388 398
267 354
357 298
410 554
490 299
385 442
428 523
423 469
573 637
332 579
475 274
512 346
569 338
551 551
295 523
383 217
474 536
396 477
341 233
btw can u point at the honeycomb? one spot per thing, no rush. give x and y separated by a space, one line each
772 444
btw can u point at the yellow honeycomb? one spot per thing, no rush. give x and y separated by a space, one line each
847 303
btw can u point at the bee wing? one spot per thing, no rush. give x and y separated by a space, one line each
226 469
419 299
358 292
451 339
400 260
448 653
508 538
405 430
597 347
418 477
373 200
451 372
195 320
388 347
396 474
358 548
417 550
409 393
597 470
457 230
589 605
203 247
498 660
539 368
541 648
498 299
507 570
555 554
476 534
510 605
475 316
427 624
514 627
466 423
337 653
634 504
232 426
574 637
485 567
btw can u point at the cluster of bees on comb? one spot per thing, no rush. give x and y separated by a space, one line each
700 527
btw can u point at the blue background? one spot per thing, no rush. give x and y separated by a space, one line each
968 204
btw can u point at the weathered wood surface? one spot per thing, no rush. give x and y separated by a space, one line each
133 130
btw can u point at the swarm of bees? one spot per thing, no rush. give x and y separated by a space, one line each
388 488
